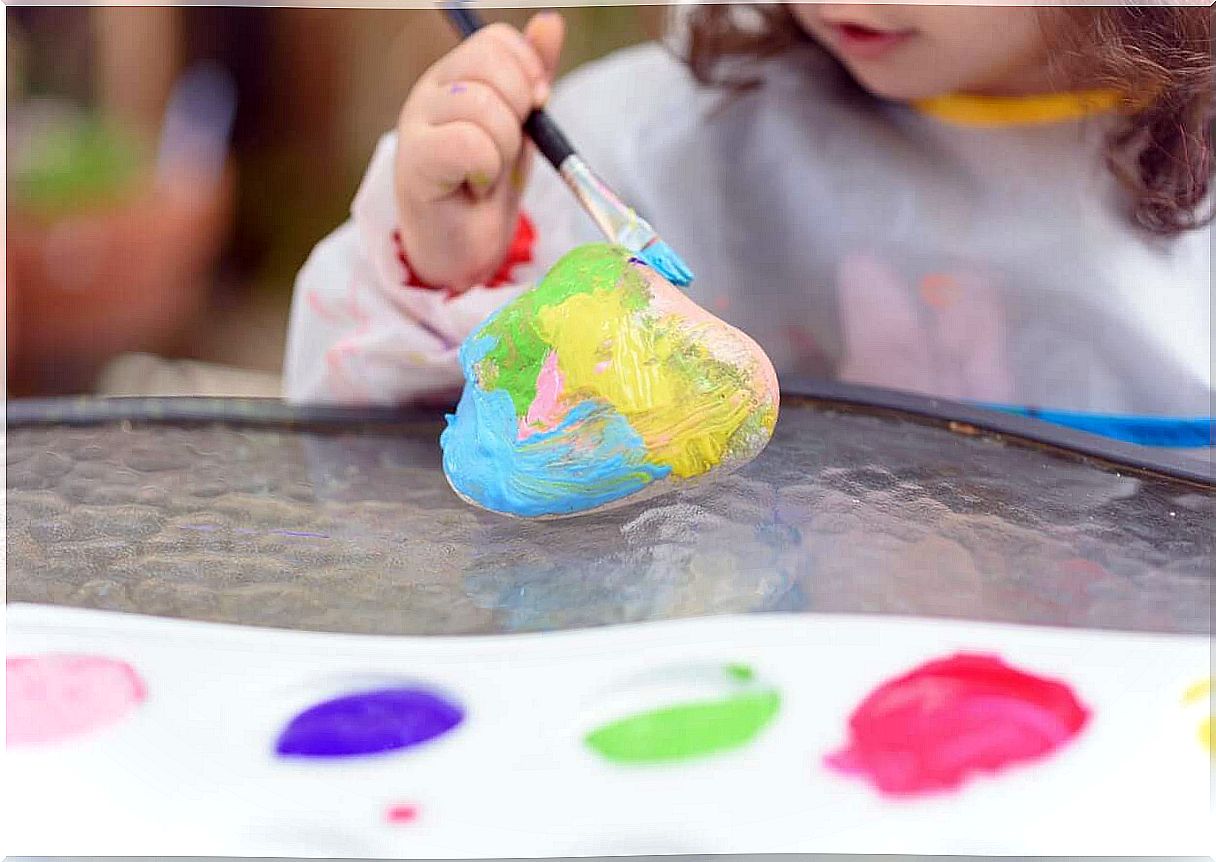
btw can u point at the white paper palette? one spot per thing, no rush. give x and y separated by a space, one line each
192 771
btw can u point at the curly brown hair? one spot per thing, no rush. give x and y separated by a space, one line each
1161 150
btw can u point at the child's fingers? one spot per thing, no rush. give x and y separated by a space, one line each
508 81
524 52
490 63
546 33
477 103
455 154
521 169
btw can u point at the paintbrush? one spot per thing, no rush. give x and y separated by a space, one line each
619 223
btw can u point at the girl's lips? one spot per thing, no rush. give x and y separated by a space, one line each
863 42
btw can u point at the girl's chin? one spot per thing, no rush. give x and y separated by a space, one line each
893 87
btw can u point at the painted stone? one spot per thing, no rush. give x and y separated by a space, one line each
603 385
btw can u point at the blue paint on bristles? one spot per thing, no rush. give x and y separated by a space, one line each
664 260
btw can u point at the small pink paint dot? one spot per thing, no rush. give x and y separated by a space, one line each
52 698
401 813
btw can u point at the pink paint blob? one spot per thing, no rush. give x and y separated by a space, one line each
401 814
52 698
932 728
546 410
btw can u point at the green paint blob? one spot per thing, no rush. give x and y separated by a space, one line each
520 349
741 672
687 730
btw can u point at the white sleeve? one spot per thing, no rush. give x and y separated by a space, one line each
360 334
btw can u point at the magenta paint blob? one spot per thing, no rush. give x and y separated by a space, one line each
369 722
931 729
57 697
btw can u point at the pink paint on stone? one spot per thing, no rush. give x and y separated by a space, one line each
546 410
53 698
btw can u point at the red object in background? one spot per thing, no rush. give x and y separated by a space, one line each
518 252
934 727
129 276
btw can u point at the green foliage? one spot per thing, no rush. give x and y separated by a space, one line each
85 164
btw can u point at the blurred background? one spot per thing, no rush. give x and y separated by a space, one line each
169 170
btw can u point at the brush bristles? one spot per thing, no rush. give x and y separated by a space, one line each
663 259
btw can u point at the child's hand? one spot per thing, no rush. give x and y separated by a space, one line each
461 155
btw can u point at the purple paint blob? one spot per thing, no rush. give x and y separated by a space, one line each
371 722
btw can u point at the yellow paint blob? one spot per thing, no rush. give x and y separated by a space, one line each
1199 691
1205 733
655 370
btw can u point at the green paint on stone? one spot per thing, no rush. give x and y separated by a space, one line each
759 423
686 731
520 349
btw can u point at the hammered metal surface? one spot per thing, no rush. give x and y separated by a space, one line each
358 532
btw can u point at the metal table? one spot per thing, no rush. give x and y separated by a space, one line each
252 512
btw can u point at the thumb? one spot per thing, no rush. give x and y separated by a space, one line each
546 32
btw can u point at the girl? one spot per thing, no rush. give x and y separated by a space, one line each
1005 205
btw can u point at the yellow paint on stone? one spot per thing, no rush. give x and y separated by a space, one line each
685 404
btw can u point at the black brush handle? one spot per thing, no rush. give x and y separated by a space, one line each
538 126
548 138
465 19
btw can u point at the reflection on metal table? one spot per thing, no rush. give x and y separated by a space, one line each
251 512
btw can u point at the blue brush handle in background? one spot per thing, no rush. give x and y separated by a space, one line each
1163 431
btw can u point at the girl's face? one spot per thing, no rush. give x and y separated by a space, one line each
916 52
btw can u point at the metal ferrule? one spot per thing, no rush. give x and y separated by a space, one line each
619 223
